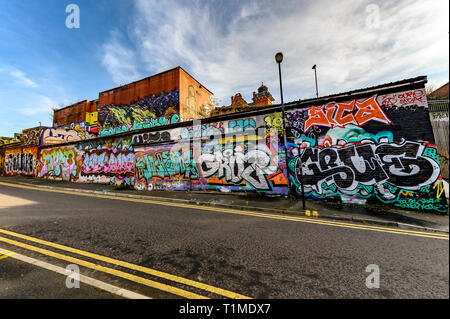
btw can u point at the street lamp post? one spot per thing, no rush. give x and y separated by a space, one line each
315 74
279 59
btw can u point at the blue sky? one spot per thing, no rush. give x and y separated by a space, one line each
229 46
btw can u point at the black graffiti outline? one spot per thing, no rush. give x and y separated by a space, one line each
242 167
401 165
147 138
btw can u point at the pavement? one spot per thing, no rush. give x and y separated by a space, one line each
380 215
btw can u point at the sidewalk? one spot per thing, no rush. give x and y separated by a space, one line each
248 201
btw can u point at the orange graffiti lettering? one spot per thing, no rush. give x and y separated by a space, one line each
341 114
342 119
316 117
369 110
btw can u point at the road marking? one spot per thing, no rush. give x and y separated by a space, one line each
6 253
84 279
117 273
247 213
153 272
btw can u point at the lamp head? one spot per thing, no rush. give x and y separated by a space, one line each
279 57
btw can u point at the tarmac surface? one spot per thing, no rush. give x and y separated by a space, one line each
383 215
256 256
21 280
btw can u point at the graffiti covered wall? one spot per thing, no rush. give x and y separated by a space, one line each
165 167
29 160
242 165
21 161
224 156
13 161
53 136
109 161
60 163
152 111
377 150
91 122
31 137
2 161
11 140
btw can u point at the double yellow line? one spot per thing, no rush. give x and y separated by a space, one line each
150 283
180 280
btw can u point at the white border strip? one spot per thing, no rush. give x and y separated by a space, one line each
87 280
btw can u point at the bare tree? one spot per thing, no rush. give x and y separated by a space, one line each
429 89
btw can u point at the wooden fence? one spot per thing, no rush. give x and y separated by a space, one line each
439 115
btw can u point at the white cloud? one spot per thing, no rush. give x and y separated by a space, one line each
119 60
42 105
235 53
23 78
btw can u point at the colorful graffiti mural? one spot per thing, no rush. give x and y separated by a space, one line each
106 165
242 166
216 167
152 111
18 138
404 166
31 137
60 163
153 137
2 162
274 122
91 118
13 162
29 161
341 114
92 122
79 127
354 152
375 150
218 128
107 161
53 136
165 167
21 161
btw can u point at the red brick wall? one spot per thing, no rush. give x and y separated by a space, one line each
163 82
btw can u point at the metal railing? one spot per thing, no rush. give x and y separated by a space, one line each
438 106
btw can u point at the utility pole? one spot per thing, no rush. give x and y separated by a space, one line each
315 73
279 59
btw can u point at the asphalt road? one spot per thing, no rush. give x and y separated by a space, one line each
21 280
253 256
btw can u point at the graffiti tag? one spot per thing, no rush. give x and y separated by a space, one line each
341 114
